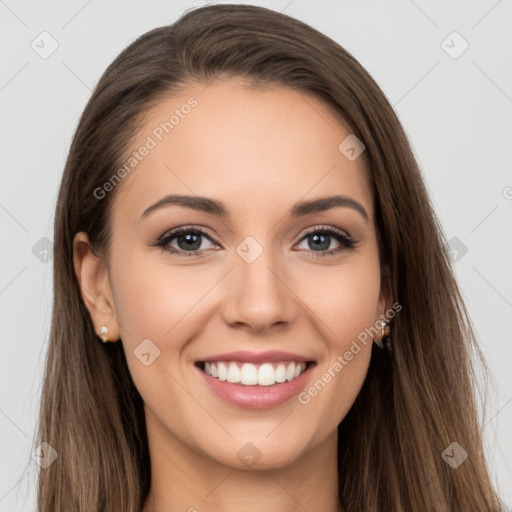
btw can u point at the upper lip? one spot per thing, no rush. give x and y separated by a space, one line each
257 357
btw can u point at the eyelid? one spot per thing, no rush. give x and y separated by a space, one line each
320 227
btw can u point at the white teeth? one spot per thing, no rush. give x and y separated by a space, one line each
222 370
249 374
280 373
233 373
290 372
266 375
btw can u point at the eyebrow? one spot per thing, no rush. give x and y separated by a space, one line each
215 207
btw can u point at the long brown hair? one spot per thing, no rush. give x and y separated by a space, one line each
414 402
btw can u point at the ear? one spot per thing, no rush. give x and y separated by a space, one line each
94 282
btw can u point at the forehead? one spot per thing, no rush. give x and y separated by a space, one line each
253 148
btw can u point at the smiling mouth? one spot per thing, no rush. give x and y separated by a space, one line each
248 374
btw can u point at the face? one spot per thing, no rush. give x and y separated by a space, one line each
259 289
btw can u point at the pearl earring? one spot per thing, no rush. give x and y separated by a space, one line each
385 341
103 333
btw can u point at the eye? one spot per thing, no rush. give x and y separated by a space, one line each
188 240
321 238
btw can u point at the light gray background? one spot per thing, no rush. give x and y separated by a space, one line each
456 111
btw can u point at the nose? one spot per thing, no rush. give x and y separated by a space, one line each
258 296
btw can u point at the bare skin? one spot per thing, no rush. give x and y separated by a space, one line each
259 152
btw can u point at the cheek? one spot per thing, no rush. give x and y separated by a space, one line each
162 304
345 299
155 303
151 300
353 310
347 305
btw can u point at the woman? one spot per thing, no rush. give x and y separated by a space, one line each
242 222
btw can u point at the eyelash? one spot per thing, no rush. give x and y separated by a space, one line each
346 242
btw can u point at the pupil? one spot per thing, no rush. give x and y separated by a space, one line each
325 245
191 239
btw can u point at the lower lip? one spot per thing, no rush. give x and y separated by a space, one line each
257 397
